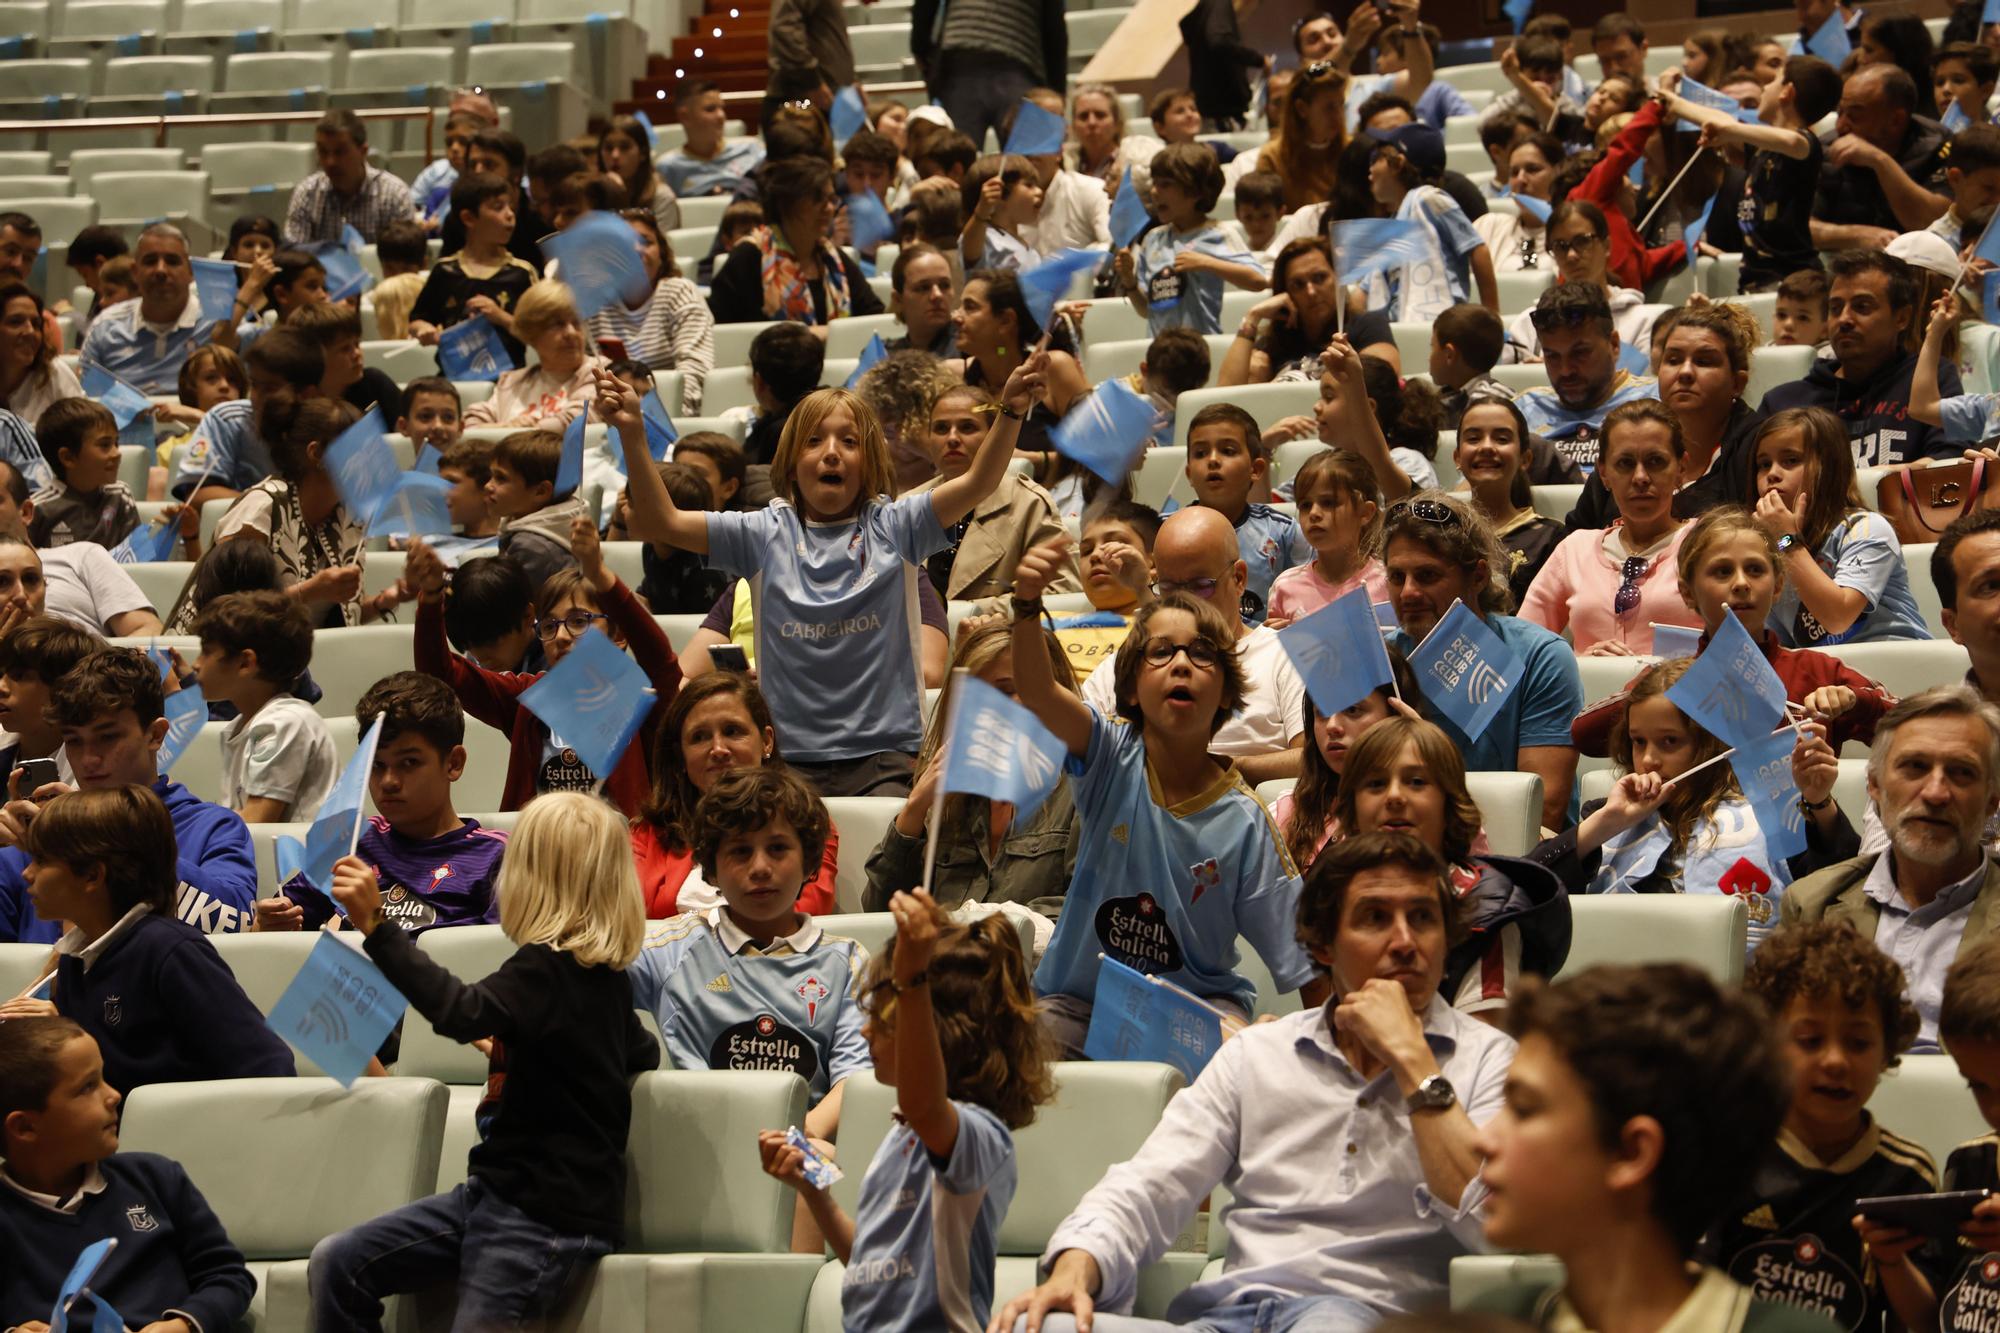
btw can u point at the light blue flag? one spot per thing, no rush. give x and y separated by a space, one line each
1338 652
337 827
125 403
1047 282
161 658
1764 771
1633 357
428 459
186 714
1670 641
344 275
471 350
873 352
351 240
849 114
1637 173
1703 95
1989 244
104 1318
1465 669
569 471
215 287
339 1009
1693 232
594 699
1385 616
363 466
1000 750
1989 296
661 433
870 221
1517 12
1830 42
1731 691
1107 431
87 1263
1036 132
414 508
1137 1017
1954 118
652 135
1129 218
148 543
1990 12
1538 209
1366 246
599 254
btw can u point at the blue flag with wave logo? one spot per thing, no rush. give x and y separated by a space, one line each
1036 132
1764 771
125 403
337 827
1338 652
1731 691
363 465
1830 43
1047 282
186 712
1000 750
339 1009
1107 431
149 543
1137 1017
599 258
471 350
215 287
1465 669
870 222
594 700
1363 247
414 507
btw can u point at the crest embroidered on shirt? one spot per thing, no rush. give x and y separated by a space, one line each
812 990
1761 1217
1119 833
439 874
114 1013
139 1219
720 984
1207 875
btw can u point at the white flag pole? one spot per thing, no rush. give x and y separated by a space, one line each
1668 193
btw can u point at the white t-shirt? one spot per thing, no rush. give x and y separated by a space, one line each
282 752
87 586
1274 698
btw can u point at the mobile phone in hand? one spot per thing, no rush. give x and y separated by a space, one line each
728 657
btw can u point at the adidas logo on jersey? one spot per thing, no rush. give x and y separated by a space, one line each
721 983
1762 1218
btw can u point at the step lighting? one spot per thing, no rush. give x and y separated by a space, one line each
697 53
717 32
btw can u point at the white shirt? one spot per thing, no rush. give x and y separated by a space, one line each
87 586
1922 940
53 382
1076 213
1273 709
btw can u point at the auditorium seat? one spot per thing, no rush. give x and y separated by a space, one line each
22 964
279 1160
1924 1098
1905 666
1556 501
1268 403
862 821
1476 1275
1707 930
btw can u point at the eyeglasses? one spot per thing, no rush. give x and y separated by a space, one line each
1200 652
1628 586
576 622
1430 511
1202 588
1576 245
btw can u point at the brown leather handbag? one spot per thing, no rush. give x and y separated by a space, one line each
1921 502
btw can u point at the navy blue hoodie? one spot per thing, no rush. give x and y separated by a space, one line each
217 868
1876 410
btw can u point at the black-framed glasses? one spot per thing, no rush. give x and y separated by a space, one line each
1200 652
1575 245
1202 588
1430 511
576 622
1628 585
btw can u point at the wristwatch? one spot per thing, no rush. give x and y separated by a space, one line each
1787 542
1433 1094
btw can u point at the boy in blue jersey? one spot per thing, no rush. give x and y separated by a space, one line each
707 163
1226 460
226 455
1116 556
66 1186
111 712
436 868
1174 276
1178 857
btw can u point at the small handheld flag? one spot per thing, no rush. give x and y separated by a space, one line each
872 353
1107 431
1466 670
1731 691
569 471
1129 217
1044 284
215 287
1764 771
1137 1017
77 1281
1338 653
1517 12
849 114
594 699
661 433
125 403
1000 750
339 1009
471 350
1036 132
148 543
337 828
1670 641
599 255
870 221
186 713
1366 246
415 507
1831 43
363 466
1538 209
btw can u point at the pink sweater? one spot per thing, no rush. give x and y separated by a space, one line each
1578 587
1300 591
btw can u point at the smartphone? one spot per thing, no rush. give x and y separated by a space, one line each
613 348
728 657
36 774
1938 1215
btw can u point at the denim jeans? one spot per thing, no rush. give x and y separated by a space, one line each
511 1270
980 89
1296 1314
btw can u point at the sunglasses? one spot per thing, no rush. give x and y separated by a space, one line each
1628 586
1430 511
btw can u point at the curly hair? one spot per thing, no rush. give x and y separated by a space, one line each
744 800
1210 626
1696 799
1377 750
1971 1007
1465 540
995 1055
901 389
1830 959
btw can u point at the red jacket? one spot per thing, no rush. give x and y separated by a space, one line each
1632 264
662 871
494 698
1802 669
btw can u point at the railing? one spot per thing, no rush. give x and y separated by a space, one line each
162 123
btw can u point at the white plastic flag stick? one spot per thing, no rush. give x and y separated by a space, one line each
1668 193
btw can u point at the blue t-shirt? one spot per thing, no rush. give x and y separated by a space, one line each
1537 711
1168 890
1185 300
226 448
837 623
1861 553
926 1231
1270 542
1574 432
690 176
799 1012
1423 289
1970 418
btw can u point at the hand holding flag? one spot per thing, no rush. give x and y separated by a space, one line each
471 350
339 1009
1466 670
1000 750
1046 283
1731 691
1036 132
594 700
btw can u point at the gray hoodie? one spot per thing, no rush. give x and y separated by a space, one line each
540 541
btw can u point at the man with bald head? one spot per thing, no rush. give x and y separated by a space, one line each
1884 168
1196 553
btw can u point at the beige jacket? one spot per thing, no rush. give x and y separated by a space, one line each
1017 515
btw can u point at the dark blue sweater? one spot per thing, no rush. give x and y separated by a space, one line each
165 1008
172 1256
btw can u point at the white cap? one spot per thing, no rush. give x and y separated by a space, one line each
1925 249
935 114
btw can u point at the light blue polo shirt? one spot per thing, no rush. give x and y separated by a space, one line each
226 448
719 175
1185 300
1270 542
146 356
836 621
1861 553
926 1231
20 452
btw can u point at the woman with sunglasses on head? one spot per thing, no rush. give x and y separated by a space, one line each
1306 151
669 327
1577 237
1609 586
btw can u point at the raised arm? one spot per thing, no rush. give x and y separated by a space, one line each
653 515
1034 682
954 499
1359 425
921 1094
1926 404
1720 129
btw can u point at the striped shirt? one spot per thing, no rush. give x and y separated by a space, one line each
672 330
318 211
